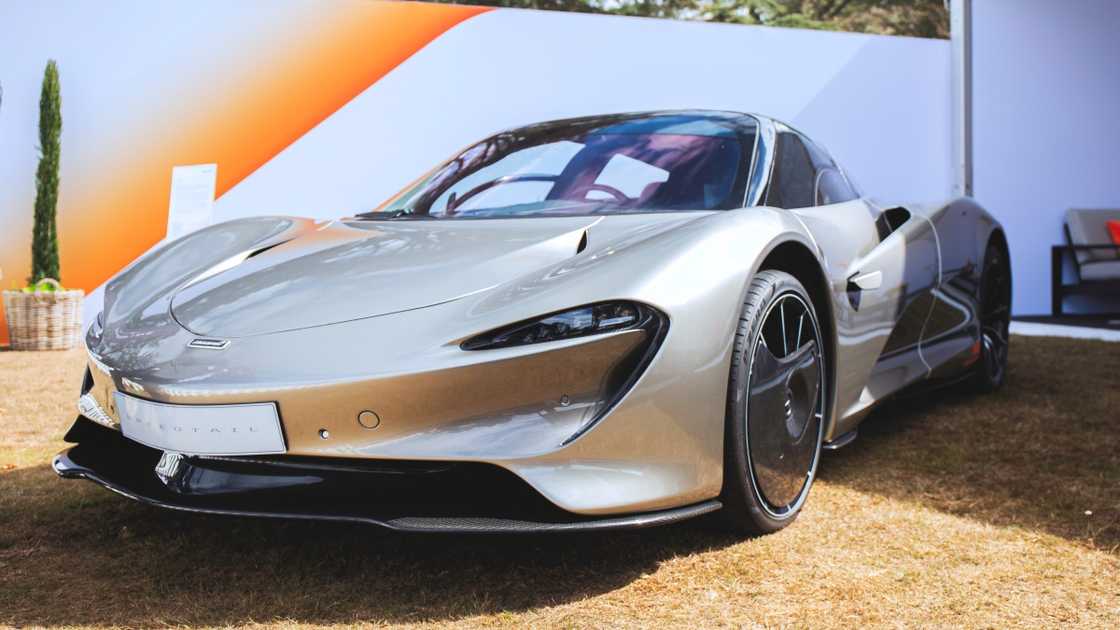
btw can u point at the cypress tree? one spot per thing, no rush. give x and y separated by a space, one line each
44 240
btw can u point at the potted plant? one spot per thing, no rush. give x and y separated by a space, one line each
43 315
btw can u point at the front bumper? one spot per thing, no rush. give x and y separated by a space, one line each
532 410
404 496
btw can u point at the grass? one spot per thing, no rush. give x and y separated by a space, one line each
949 511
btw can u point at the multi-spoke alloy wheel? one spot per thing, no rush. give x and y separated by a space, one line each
784 404
776 405
995 319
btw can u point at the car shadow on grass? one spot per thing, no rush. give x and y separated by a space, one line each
85 556
1042 453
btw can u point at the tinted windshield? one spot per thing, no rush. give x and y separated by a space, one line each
588 167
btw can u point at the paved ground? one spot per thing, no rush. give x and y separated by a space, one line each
1077 327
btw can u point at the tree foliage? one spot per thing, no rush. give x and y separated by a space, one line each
44 238
919 18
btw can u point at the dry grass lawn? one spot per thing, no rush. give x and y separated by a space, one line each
952 511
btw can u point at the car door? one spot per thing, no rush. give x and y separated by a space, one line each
950 341
882 264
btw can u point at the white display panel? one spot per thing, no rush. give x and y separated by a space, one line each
192 199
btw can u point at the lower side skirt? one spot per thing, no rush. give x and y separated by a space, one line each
437 500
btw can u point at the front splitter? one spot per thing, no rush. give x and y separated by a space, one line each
105 464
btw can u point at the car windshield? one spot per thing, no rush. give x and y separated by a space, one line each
586 167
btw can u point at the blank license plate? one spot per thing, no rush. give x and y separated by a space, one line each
249 429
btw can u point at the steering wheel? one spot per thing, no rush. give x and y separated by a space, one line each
610 190
454 202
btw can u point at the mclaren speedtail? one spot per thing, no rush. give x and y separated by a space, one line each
602 322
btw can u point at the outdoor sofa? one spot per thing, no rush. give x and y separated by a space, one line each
1093 244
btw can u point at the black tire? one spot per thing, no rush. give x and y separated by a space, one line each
779 401
990 372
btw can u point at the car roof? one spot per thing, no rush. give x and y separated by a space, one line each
685 122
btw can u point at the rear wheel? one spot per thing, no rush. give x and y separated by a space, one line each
995 320
775 408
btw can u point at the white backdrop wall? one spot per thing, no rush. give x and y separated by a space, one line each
1046 124
148 86
879 103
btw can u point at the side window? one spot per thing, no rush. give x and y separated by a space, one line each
832 188
793 182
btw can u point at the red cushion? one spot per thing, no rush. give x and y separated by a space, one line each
1114 230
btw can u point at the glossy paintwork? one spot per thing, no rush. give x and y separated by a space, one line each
338 318
877 342
344 271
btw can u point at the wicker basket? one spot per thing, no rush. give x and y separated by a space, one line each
44 320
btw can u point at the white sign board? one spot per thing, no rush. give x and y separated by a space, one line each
192 198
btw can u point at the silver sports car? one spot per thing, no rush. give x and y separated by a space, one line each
602 322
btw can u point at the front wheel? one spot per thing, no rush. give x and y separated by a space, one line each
775 406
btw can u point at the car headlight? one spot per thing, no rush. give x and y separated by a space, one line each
583 385
592 319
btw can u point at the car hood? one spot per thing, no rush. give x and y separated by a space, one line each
349 270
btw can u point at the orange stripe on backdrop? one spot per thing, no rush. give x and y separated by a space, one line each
285 92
